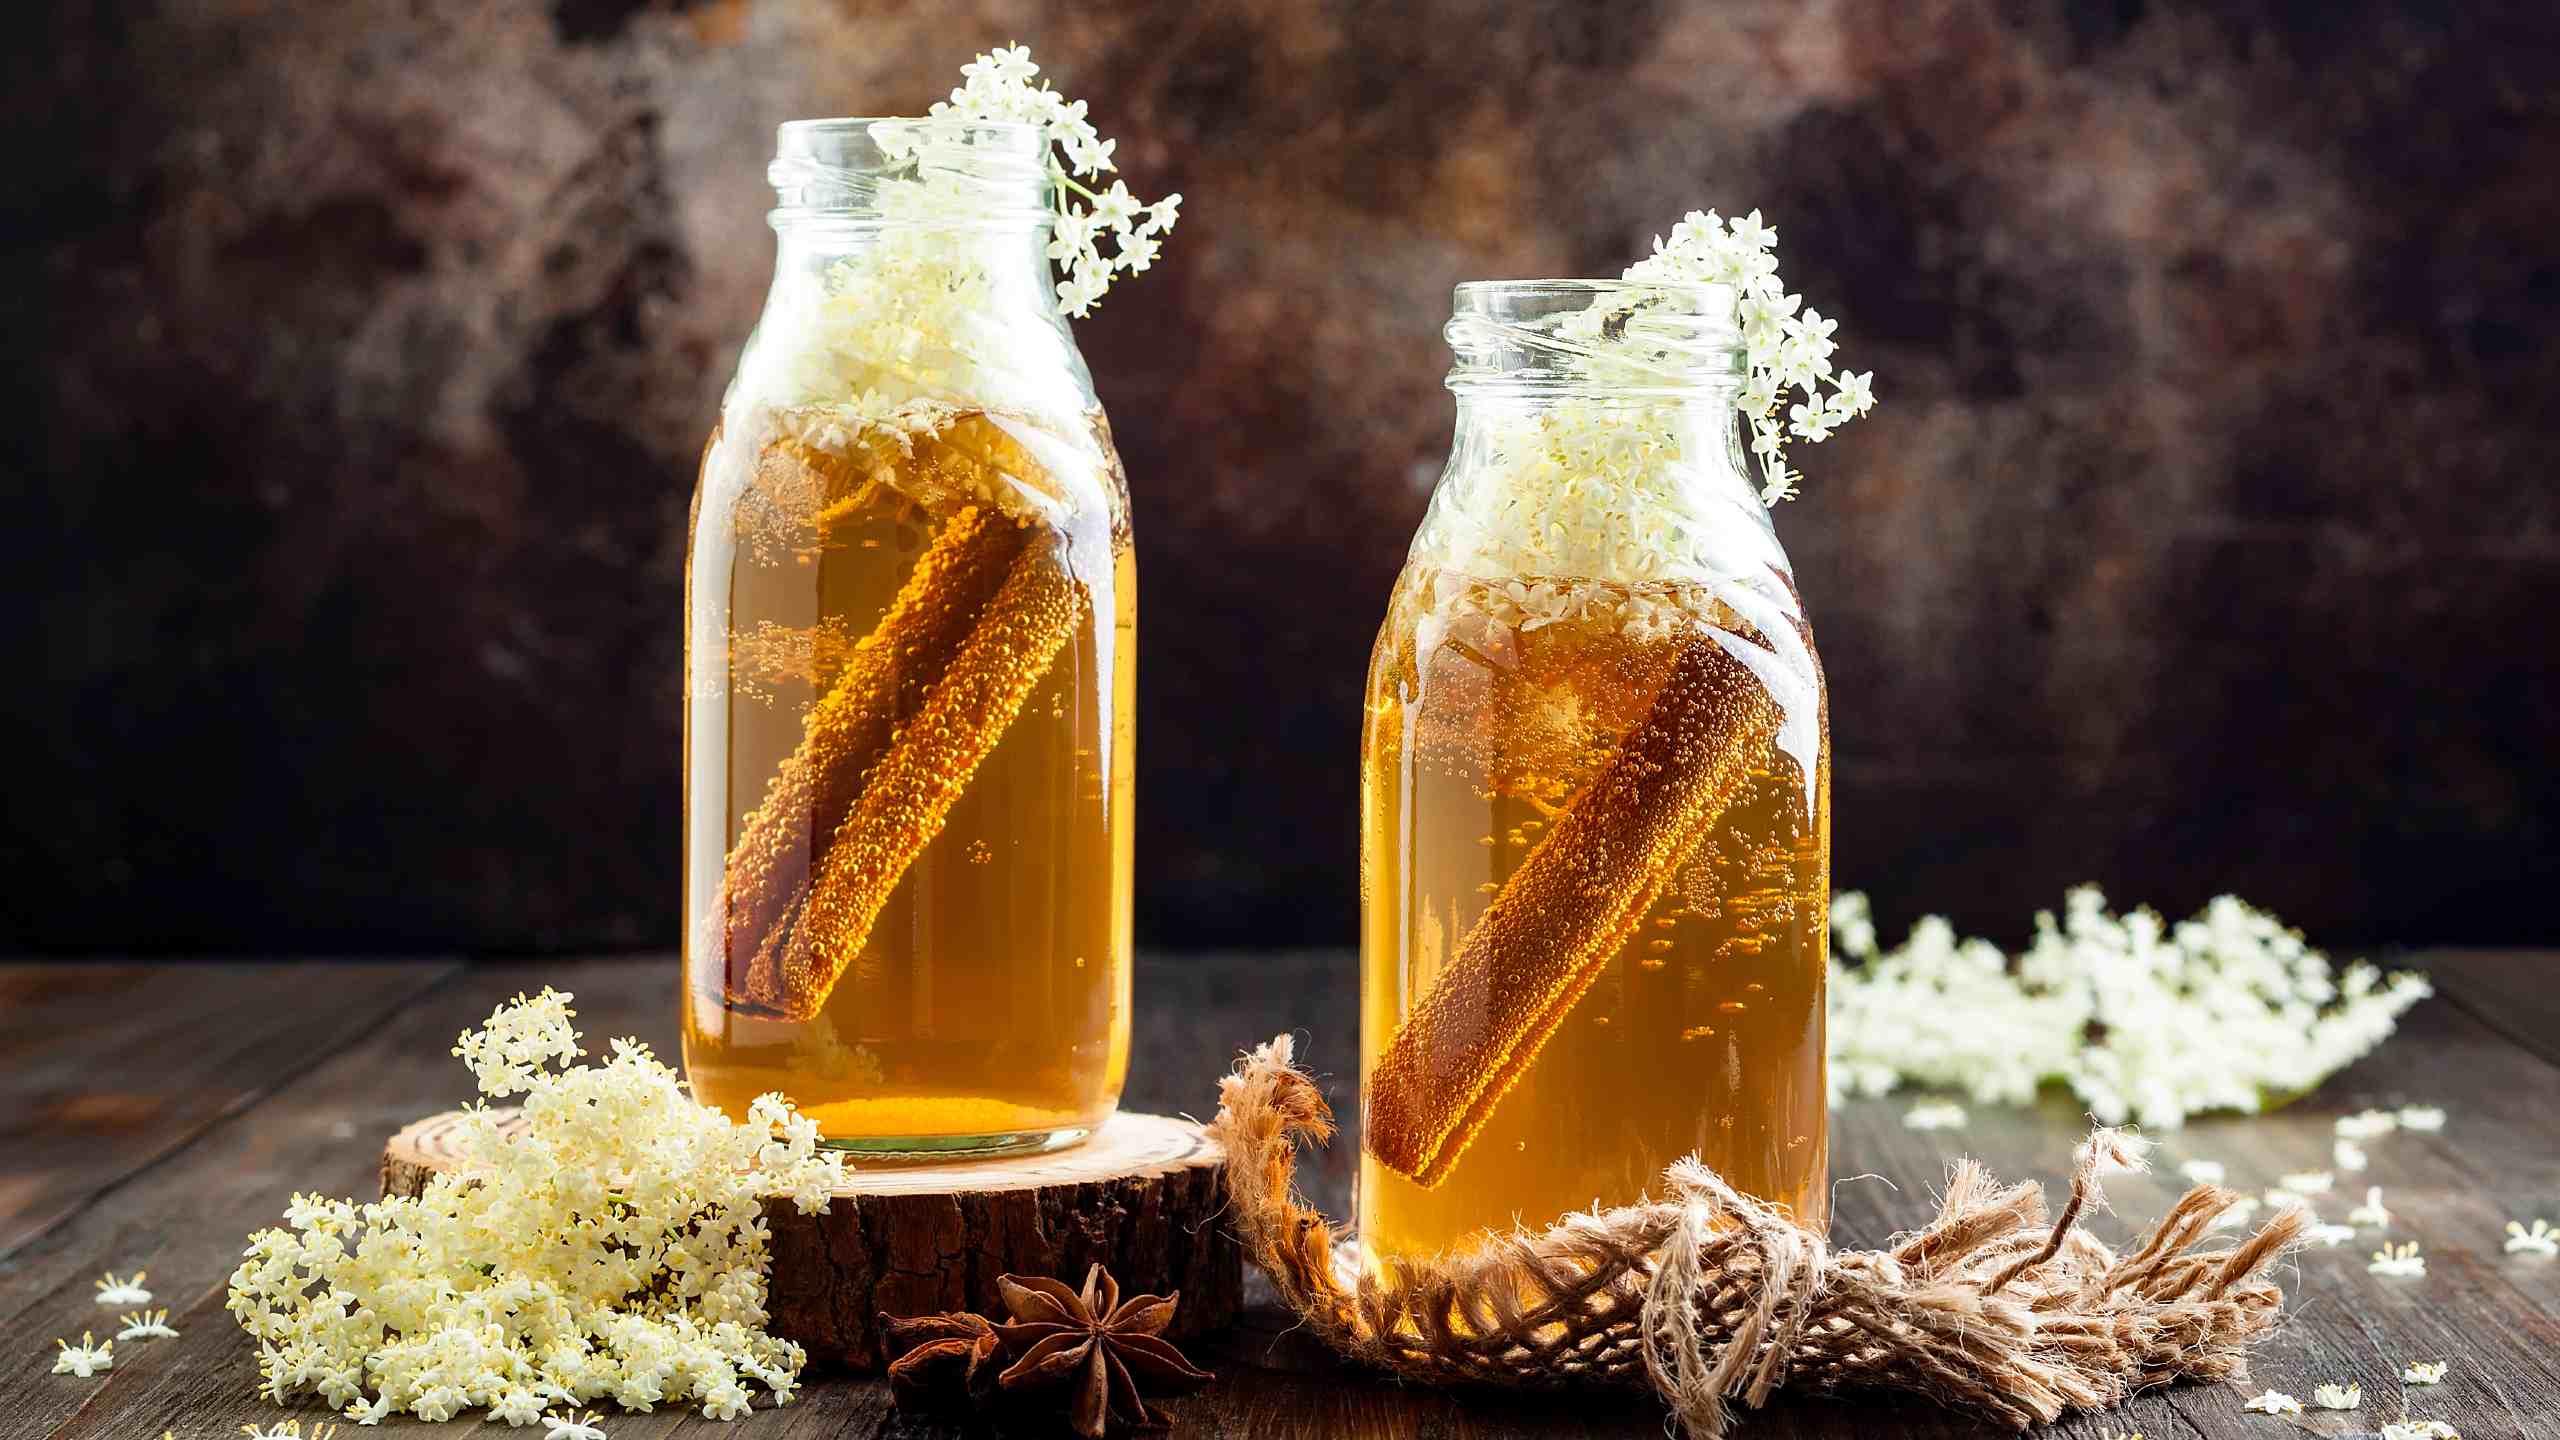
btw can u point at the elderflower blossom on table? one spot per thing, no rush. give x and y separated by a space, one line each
2399 1261
613 1249
2540 1239
116 1290
90 1357
2143 1020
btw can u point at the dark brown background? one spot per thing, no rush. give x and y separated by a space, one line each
2205 537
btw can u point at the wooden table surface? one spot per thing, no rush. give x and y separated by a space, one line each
152 1115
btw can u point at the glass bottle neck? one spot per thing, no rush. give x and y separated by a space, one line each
998 270
1657 448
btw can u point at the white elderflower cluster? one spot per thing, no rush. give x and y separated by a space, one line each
2338 1397
922 322
1585 493
2143 1020
613 1249
1788 353
999 86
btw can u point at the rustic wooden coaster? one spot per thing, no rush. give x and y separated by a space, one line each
1145 1196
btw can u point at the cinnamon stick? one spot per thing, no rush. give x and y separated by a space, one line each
908 795
1573 902
845 733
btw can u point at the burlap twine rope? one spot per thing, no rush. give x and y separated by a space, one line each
1710 1296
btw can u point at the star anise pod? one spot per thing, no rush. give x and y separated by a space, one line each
941 1360
1106 1354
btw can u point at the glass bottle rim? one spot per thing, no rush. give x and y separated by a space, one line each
832 170
1658 338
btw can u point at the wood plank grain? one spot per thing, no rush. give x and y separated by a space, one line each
2496 1317
2514 992
186 1216
119 1064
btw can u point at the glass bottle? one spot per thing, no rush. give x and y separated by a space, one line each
1595 827
910 606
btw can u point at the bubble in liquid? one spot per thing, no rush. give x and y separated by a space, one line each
1488 888
1664 922
1732 1007
1755 987
1486 841
980 854
1657 946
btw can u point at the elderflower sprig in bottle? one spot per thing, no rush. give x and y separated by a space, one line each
1595 832
909 661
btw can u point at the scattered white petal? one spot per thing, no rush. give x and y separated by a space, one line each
2367 1125
85 1359
2540 1240
2421 1117
2398 1260
2338 1397
2203 1172
146 1325
115 1291
572 1426
2420 1430
2347 1155
1934 1115
2274 1402
2283 1199
2308 1182
2370 1214
725 1400
2240 1212
289 1430
2423 1372
2328 1236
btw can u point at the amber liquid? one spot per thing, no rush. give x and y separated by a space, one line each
983 1002
1702 1032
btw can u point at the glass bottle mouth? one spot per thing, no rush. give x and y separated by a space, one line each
938 171
1595 337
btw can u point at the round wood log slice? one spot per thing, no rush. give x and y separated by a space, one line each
1144 1197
